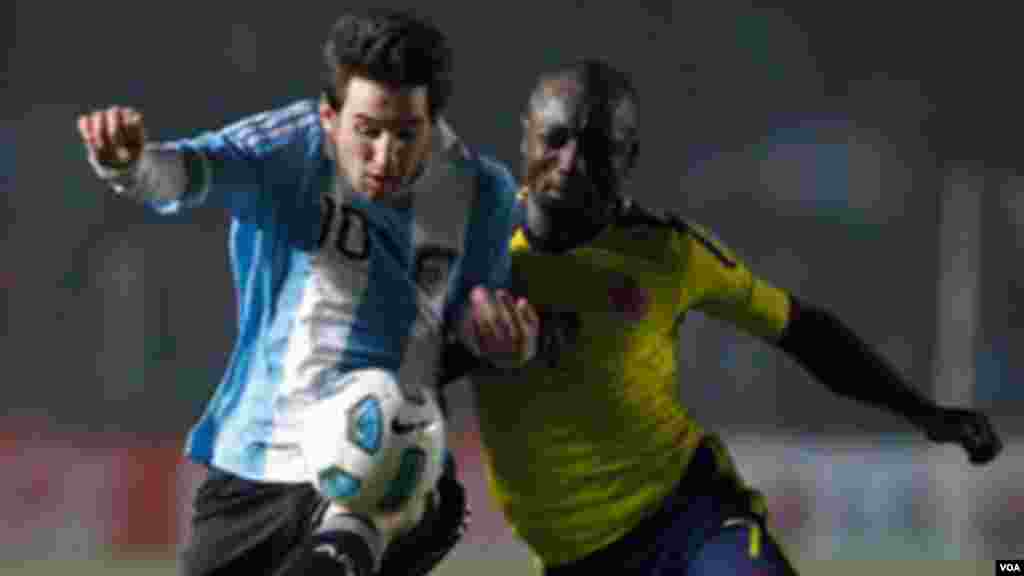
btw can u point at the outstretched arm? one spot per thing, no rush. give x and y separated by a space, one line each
121 157
219 167
822 344
828 349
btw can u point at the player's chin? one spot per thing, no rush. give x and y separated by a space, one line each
375 189
562 197
570 191
550 194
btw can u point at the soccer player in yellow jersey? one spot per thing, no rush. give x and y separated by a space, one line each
589 452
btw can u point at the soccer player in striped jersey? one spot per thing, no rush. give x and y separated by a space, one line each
589 452
361 228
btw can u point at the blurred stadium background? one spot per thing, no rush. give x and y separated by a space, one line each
858 156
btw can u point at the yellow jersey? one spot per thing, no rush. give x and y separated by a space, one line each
585 441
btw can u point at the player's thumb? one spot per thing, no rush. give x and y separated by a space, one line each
531 329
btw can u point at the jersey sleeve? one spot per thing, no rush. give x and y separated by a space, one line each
486 260
219 172
227 168
719 284
498 188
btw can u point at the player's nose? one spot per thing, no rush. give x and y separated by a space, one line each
384 155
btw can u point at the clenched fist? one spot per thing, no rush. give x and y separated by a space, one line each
114 137
970 429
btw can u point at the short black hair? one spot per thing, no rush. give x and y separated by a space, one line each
604 85
392 47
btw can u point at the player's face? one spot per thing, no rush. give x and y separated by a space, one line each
576 154
381 135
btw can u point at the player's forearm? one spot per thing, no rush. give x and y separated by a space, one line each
847 365
160 175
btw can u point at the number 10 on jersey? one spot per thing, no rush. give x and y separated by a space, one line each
352 238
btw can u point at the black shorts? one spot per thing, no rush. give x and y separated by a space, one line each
259 528
245 527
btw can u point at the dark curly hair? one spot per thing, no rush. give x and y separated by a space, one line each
604 85
391 47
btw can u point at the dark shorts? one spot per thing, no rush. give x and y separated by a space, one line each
710 525
258 528
244 527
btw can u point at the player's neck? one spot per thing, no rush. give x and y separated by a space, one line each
557 229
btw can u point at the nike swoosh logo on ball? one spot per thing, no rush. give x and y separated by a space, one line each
403 428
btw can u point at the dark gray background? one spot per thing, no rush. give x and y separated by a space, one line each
119 319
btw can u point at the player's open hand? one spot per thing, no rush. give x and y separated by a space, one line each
968 428
503 329
114 137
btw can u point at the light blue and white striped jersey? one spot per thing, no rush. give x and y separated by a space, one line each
328 282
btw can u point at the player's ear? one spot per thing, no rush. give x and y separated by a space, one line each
328 115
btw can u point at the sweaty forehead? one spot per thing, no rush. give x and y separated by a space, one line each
559 102
564 102
564 87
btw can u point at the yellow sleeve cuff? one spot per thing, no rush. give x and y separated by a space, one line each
771 307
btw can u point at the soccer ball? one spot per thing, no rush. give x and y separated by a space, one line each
373 447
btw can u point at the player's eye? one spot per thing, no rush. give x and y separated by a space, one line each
367 131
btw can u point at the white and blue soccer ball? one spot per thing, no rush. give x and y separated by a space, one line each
372 447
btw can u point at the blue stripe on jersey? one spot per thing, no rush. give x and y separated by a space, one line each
245 250
272 131
486 259
268 128
232 160
275 208
386 314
